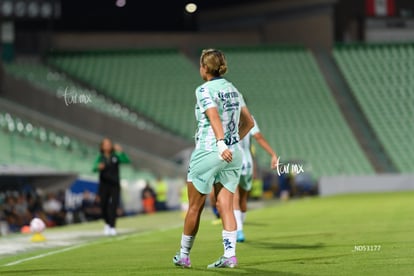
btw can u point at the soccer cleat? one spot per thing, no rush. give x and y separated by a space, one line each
224 262
182 262
240 236
107 230
112 232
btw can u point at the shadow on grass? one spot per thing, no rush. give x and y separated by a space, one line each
283 246
254 223
244 270
322 259
324 234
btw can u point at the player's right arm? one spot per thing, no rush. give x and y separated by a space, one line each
215 122
98 165
207 106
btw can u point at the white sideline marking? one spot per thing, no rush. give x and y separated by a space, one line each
44 255
118 238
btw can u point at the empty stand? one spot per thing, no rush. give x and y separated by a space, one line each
295 110
283 87
28 144
159 84
382 80
61 86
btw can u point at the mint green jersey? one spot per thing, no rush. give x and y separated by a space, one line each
221 94
244 145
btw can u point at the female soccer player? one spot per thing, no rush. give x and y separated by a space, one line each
107 163
245 184
223 119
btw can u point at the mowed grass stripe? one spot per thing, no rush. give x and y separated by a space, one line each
315 236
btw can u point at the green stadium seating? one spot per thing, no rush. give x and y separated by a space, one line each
295 110
159 84
33 145
28 144
283 87
381 79
58 84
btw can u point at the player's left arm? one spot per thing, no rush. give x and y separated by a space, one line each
265 145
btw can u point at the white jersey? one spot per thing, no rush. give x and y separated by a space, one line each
221 94
244 145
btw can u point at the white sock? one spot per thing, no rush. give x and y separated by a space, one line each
238 217
243 217
186 244
229 243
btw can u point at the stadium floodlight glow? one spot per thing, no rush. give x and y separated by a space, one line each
120 3
191 8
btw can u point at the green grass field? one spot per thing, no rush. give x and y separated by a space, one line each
369 234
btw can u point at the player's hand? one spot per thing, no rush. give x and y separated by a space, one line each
101 166
117 148
274 162
227 156
224 152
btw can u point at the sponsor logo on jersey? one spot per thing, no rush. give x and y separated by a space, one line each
228 95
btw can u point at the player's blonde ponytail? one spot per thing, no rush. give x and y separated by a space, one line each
215 62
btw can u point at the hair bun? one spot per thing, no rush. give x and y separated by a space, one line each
222 69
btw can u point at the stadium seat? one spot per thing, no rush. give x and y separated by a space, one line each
381 79
283 87
295 110
29 144
58 84
151 82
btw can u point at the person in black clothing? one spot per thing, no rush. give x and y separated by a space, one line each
90 208
107 164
